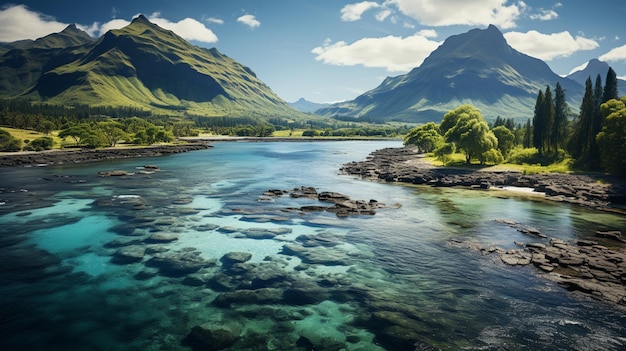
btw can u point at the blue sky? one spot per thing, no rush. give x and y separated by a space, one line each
333 50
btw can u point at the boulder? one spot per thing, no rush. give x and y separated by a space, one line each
212 337
161 238
235 257
129 254
612 234
179 263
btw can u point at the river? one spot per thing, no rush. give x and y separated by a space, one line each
310 280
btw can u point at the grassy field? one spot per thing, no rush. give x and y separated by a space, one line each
458 160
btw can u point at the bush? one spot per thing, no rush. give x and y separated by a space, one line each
40 144
309 133
9 142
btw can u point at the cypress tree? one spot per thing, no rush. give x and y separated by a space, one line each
610 87
528 135
580 142
539 122
596 126
548 115
560 117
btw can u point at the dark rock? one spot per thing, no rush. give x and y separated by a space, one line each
129 254
211 337
613 235
161 238
247 297
122 242
235 257
117 173
179 263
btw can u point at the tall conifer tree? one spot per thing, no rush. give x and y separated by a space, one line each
610 86
560 117
539 122
548 116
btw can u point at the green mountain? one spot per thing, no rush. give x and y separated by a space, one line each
477 67
141 65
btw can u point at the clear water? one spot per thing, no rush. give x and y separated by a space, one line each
393 279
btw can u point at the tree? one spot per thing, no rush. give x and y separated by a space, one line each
528 135
580 141
8 142
548 115
471 133
610 87
560 118
77 132
112 132
539 122
426 137
612 139
506 139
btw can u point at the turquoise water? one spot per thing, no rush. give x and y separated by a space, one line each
314 280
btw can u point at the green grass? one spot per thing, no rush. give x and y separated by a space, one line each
563 165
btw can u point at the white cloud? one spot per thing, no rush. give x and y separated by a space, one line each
188 28
549 46
249 20
215 20
616 54
461 12
353 12
396 54
383 14
18 23
544 15
428 33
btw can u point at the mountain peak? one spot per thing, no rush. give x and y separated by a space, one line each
141 19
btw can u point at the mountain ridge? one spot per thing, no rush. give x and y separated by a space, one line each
143 65
476 67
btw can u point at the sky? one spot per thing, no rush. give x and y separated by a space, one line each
335 50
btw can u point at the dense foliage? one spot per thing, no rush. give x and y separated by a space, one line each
594 140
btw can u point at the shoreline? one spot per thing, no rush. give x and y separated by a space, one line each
404 165
75 156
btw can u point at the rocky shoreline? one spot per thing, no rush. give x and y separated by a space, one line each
30 159
405 165
583 266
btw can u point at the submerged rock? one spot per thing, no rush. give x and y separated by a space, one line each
161 238
235 257
212 337
129 254
179 263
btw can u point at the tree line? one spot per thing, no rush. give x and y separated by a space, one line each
594 140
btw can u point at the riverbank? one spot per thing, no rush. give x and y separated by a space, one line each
405 165
52 157
583 266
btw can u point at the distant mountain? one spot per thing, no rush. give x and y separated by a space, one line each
307 106
592 69
141 65
477 67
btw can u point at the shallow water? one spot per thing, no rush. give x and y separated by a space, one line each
382 282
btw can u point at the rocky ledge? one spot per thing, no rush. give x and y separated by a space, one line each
582 266
406 165
27 159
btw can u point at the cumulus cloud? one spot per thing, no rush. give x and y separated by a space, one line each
396 54
249 20
353 12
549 46
616 54
188 28
544 15
18 23
215 20
461 12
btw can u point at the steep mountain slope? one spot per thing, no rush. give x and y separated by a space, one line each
476 67
592 69
22 63
145 66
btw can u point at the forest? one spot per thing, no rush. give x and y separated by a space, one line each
593 140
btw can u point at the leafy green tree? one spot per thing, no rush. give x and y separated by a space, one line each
426 137
612 139
39 144
112 132
471 133
506 139
444 151
77 132
8 142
